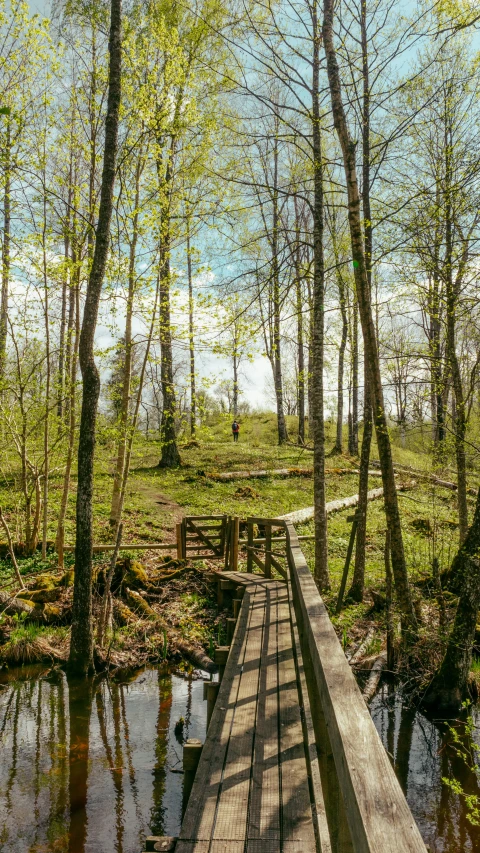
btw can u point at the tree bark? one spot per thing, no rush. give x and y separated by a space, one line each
127 372
358 581
81 643
321 573
459 416
353 421
368 327
5 251
300 336
276 305
449 687
191 336
170 457
71 408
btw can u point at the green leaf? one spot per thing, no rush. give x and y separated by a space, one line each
5 111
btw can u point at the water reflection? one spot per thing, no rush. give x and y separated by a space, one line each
89 766
422 755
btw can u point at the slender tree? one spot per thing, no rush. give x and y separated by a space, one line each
81 643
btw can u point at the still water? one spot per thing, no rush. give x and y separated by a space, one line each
90 768
423 753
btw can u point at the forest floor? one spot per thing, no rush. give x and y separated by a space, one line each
186 604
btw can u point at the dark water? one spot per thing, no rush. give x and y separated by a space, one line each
423 754
89 767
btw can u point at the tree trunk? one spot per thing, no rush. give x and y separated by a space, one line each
276 307
353 424
449 687
127 373
459 416
300 343
321 574
72 382
5 252
368 327
81 643
46 425
358 581
170 457
191 337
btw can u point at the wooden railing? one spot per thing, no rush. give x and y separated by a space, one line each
365 806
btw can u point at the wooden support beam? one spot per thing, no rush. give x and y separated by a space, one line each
210 693
230 629
236 604
192 750
180 551
220 657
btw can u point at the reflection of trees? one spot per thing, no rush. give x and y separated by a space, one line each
404 746
157 818
79 710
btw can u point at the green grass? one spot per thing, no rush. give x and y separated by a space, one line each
157 498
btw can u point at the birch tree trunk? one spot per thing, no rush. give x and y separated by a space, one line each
368 327
81 642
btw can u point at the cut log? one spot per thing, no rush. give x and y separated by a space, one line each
373 681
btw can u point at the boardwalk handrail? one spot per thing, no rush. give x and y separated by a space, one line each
360 787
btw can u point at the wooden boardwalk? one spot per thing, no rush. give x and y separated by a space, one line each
251 791
291 762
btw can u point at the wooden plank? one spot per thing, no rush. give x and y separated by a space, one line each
203 536
378 815
319 812
199 817
232 810
297 821
258 562
264 808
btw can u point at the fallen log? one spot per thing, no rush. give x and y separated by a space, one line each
299 516
361 649
14 606
280 472
430 478
373 680
195 655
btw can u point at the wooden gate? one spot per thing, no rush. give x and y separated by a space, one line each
209 537
264 550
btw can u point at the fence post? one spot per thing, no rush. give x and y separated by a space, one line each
234 542
249 546
180 554
268 550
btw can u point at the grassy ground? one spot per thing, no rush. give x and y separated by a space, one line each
157 499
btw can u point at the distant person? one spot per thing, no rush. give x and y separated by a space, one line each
235 430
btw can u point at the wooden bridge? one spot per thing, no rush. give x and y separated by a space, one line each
292 762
